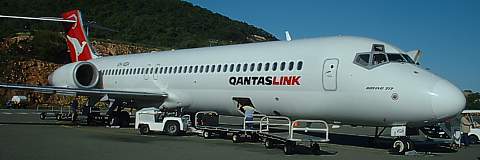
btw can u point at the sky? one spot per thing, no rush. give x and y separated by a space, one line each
446 31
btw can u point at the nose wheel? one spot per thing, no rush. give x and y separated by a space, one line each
402 145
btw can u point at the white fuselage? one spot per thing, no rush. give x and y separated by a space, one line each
328 86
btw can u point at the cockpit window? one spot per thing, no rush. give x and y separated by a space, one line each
379 58
395 58
408 58
363 59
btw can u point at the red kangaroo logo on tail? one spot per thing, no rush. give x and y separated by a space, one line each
77 41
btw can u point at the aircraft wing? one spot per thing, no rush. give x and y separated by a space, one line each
84 92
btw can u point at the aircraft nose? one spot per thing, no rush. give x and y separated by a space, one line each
447 100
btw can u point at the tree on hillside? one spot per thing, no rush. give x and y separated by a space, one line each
473 101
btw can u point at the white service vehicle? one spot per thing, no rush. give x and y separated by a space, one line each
153 119
474 133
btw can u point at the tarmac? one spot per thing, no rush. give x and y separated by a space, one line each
24 136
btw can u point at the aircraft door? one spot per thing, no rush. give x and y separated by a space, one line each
329 77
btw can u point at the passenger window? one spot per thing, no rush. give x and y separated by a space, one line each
363 59
196 69
299 65
259 67
180 69
175 69
185 69
207 68
213 68
379 59
274 66
267 66
395 58
252 67
245 67
201 69
238 67
170 70
151 70
219 68
282 66
146 71
231 67
190 69
161 70
225 67
143 70
290 66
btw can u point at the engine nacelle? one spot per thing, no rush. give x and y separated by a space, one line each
75 75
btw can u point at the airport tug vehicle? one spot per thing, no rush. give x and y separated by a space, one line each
149 120
474 133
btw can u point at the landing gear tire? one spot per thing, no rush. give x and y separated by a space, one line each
410 145
315 148
236 138
124 119
42 116
289 148
400 146
144 129
473 139
268 143
172 128
206 134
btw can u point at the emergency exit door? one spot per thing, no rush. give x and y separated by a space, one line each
329 77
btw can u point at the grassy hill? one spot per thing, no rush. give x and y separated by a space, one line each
160 23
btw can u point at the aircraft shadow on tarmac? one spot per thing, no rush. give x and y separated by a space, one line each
340 139
382 143
38 123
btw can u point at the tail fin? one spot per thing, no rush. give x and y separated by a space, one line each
77 41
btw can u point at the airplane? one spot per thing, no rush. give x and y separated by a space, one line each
353 80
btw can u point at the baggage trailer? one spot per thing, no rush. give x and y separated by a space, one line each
208 123
88 115
272 131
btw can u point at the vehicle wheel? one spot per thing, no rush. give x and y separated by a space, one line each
113 121
289 148
206 134
235 138
42 116
144 129
399 146
315 148
59 117
473 139
172 128
268 143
